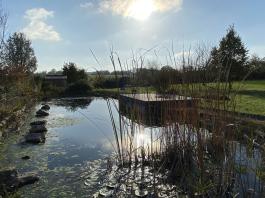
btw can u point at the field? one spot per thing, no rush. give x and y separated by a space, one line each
251 97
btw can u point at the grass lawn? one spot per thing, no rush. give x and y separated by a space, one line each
115 91
251 97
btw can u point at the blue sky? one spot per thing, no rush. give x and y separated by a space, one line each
66 30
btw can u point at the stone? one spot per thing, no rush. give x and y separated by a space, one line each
40 122
141 193
25 157
38 129
41 113
29 178
110 186
105 193
35 138
46 107
10 180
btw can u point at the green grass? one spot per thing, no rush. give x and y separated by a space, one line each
116 91
251 97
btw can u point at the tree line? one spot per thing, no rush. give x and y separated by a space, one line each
228 61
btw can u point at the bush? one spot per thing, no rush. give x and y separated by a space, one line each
79 88
50 91
110 83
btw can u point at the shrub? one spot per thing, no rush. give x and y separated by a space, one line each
79 88
50 91
109 83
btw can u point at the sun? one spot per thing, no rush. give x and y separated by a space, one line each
141 9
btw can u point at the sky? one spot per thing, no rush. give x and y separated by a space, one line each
86 31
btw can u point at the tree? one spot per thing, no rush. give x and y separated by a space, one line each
230 56
257 68
73 73
18 55
55 72
3 22
164 79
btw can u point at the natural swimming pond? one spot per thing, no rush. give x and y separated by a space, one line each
74 160
77 133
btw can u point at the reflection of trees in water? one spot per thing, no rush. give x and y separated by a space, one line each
74 104
207 154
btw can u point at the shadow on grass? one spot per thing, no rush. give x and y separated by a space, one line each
255 93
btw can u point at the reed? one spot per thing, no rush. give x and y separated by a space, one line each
196 148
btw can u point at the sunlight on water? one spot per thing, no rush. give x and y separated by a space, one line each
78 157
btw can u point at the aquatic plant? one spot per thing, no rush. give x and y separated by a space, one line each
194 144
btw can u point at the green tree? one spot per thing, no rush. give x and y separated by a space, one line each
257 68
164 78
73 73
230 57
18 55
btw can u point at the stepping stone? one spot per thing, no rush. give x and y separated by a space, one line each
41 113
35 138
45 107
38 129
25 157
10 180
41 122
26 179
106 193
141 193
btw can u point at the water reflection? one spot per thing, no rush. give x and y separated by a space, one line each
73 104
229 168
80 141
79 131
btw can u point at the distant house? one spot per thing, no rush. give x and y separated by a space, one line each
56 80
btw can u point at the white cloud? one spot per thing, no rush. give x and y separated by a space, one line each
87 5
123 8
38 29
165 5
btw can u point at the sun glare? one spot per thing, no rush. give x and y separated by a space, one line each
141 9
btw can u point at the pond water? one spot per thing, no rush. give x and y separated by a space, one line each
77 134
80 140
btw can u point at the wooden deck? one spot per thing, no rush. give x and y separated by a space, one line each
157 110
155 97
